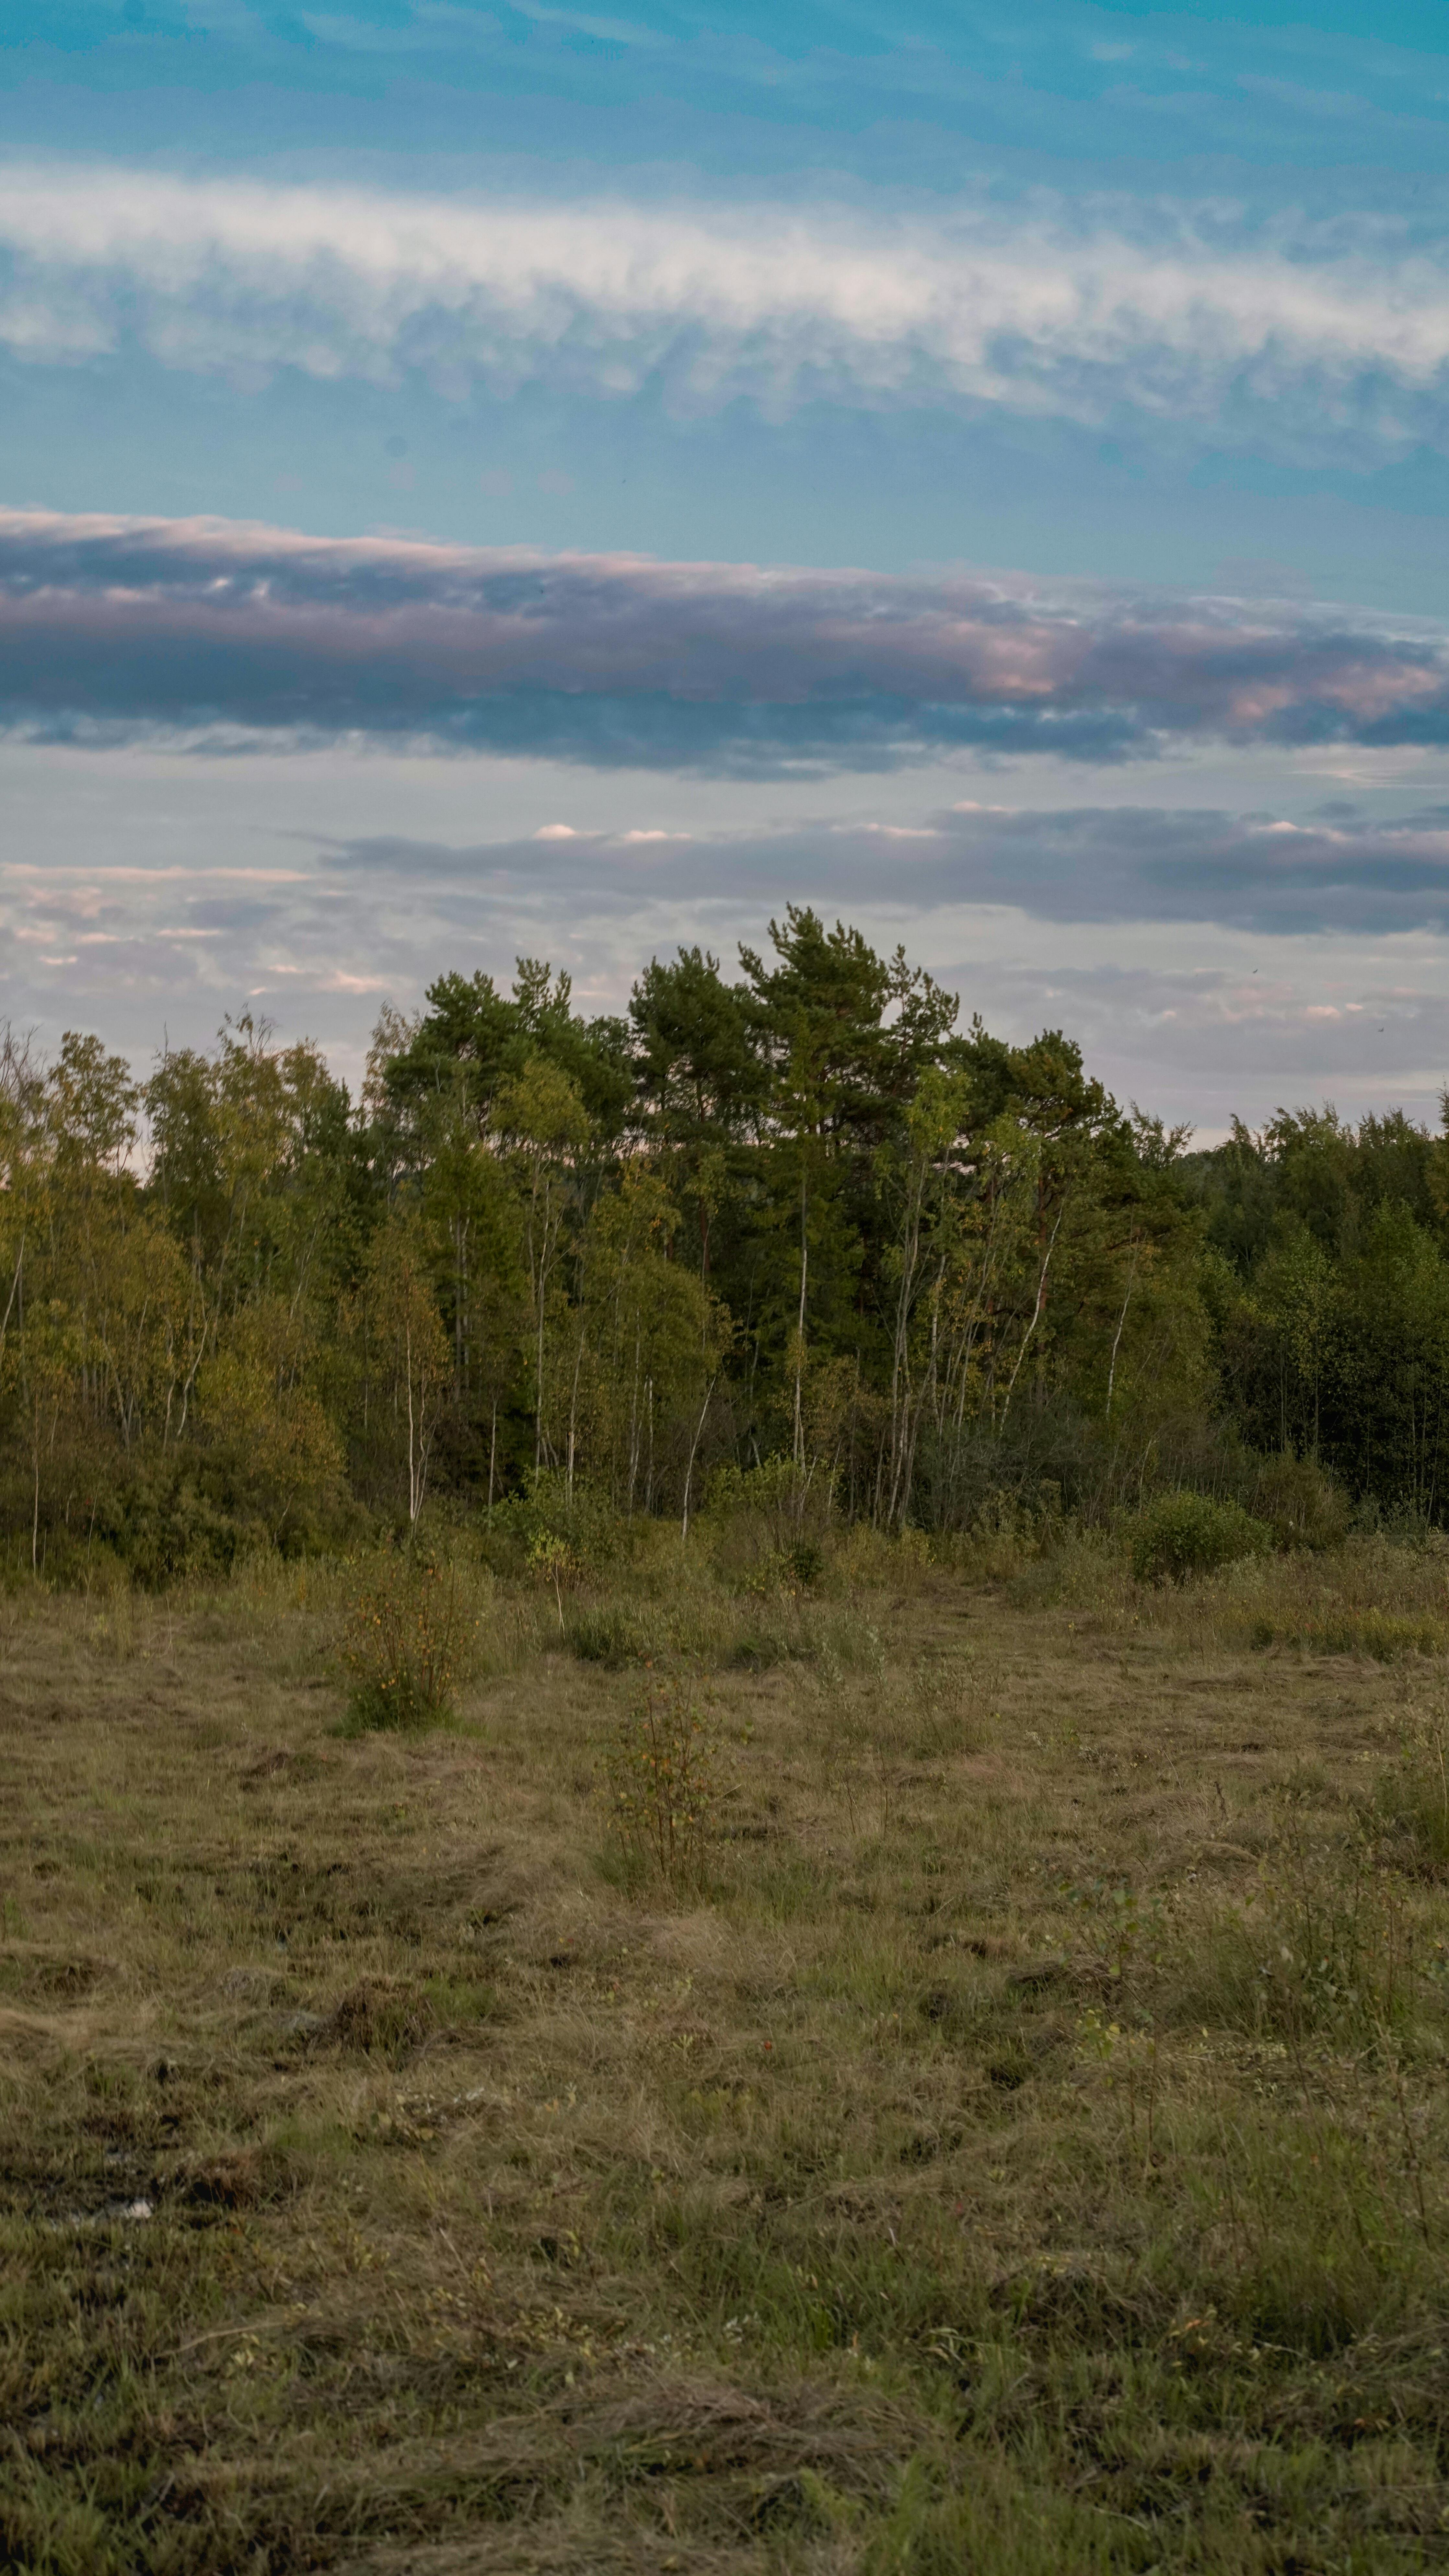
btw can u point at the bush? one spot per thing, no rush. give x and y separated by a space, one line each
761 1517
1185 1534
407 1645
659 1774
1301 1504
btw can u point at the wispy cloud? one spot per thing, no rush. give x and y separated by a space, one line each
109 626
1307 336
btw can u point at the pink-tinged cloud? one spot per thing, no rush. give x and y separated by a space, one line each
112 625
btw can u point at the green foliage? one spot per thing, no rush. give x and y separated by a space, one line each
407 1644
788 1245
580 1517
1327 1288
1185 1534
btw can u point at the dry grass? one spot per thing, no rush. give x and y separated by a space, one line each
1024 2152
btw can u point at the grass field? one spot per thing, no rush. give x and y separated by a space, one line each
1012 2137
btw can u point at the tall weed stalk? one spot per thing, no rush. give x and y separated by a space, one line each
660 1777
407 1645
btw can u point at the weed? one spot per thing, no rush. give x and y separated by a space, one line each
1384 1634
662 1790
553 1561
1413 1799
406 1645
609 1635
1324 1947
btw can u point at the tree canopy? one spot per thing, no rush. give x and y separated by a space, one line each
796 1213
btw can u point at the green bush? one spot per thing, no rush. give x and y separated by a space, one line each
1184 1534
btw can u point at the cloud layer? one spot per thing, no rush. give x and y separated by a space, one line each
1344 873
117 626
1307 338
1026 915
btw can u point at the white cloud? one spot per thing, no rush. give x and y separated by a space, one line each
1314 335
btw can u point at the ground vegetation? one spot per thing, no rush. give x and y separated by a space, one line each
848 2062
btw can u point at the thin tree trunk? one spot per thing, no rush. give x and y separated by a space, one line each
1117 1336
800 1327
694 1445
1036 1314
412 1468
574 1412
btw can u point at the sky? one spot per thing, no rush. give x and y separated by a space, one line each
481 480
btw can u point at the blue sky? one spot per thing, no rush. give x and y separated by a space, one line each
491 478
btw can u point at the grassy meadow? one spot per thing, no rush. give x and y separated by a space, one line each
865 2065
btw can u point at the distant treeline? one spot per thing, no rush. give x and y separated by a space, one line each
796 1215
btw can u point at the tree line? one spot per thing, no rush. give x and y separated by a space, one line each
793 1219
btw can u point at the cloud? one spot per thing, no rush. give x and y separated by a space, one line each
1210 1043
1343 874
137 953
1326 973
1346 876
111 627
1313 338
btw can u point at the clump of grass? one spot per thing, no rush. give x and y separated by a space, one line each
378 2017
1325 1947
660 1775
609 1635
943 1712
407 1646
1383 1634
1184 1534
1413 1799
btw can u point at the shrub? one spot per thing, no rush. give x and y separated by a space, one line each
1184 1534
1301 1504
551 1560
659 1773
407 1645
762 1516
